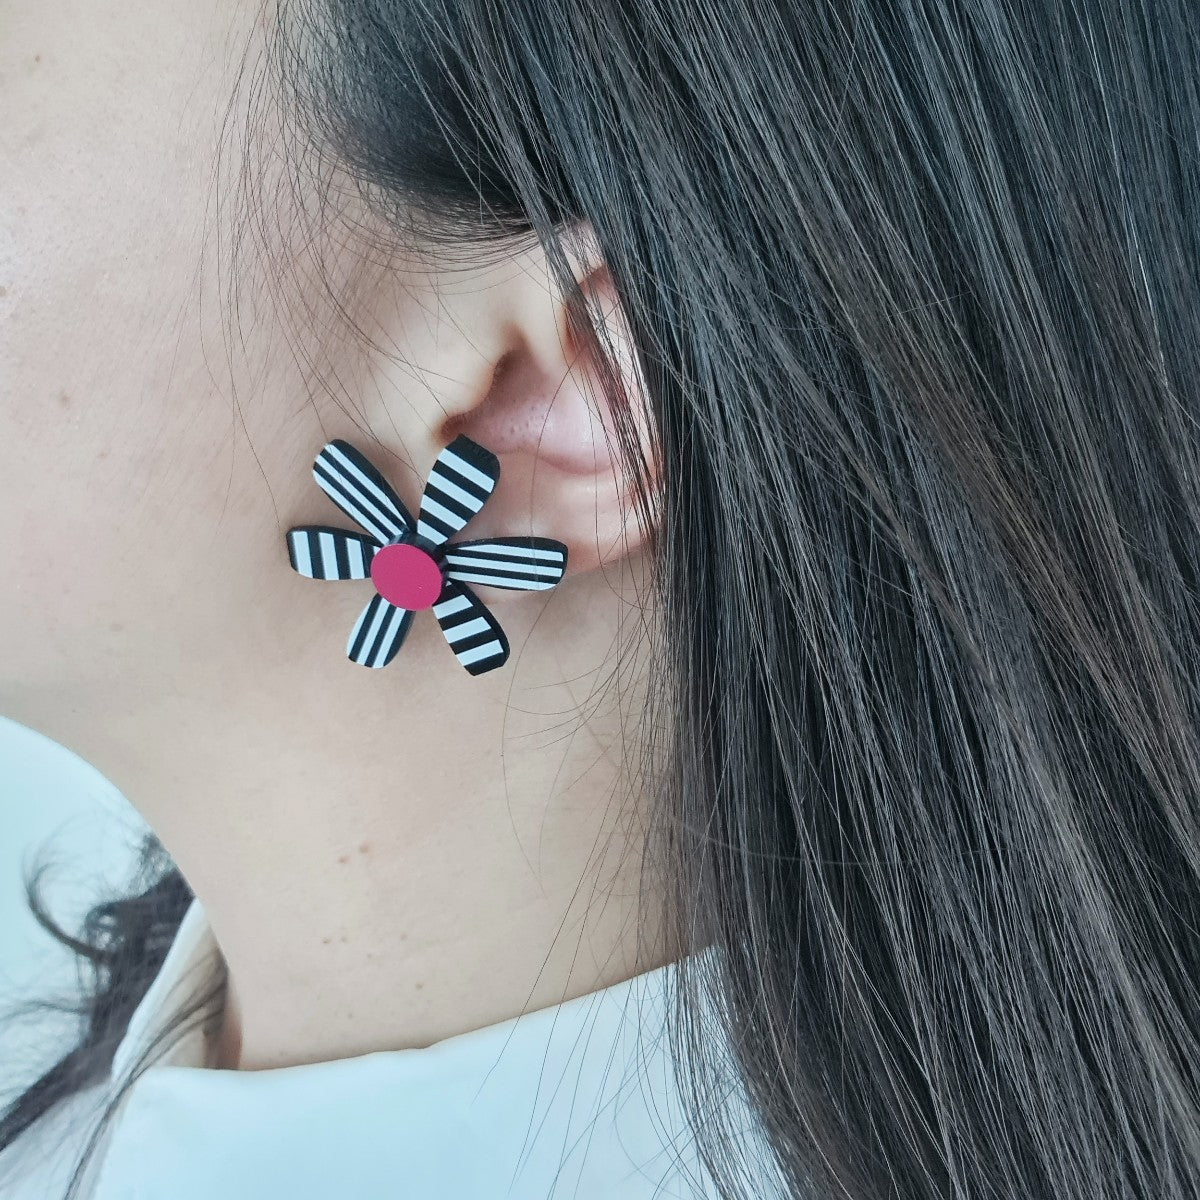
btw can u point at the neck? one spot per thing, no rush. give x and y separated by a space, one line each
450 853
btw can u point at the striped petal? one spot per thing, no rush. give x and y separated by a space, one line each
522 564
361 492
458 487
319 552
378 633
475 637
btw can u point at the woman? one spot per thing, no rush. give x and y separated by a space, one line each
848 353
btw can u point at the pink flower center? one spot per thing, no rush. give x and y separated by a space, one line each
406 576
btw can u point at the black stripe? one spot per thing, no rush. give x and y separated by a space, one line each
478 545
361 503
321 564
454 620
378 644
477 640
484 461
474 610
439 524
360 510
314 555
392 646
491 662
522 560
468 485
375 476
433 492
356 646
490 566
341 558
486 573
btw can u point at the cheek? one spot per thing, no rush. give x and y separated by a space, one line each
103 503
95 553
139 592
117 423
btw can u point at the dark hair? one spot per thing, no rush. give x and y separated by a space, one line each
914 292
122 945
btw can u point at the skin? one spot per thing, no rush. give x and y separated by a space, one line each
387 858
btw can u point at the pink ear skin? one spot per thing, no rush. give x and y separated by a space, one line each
530 409
545 414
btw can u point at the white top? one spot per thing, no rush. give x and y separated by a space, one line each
576 1101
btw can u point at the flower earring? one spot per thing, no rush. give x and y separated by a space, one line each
411 563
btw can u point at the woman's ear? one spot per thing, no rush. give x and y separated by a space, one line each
545 411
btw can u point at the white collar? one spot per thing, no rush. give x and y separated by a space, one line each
577 1100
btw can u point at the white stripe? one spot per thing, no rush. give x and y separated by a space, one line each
523 585
328 552
360 569
434 535
486 651
468 629
453 605
434 509
496 564
465 469
303 558
443 484
554 556
385 645
389 509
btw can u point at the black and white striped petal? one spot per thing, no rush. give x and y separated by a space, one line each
458 487
521 564
320 552
474 635
378 633
361 492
